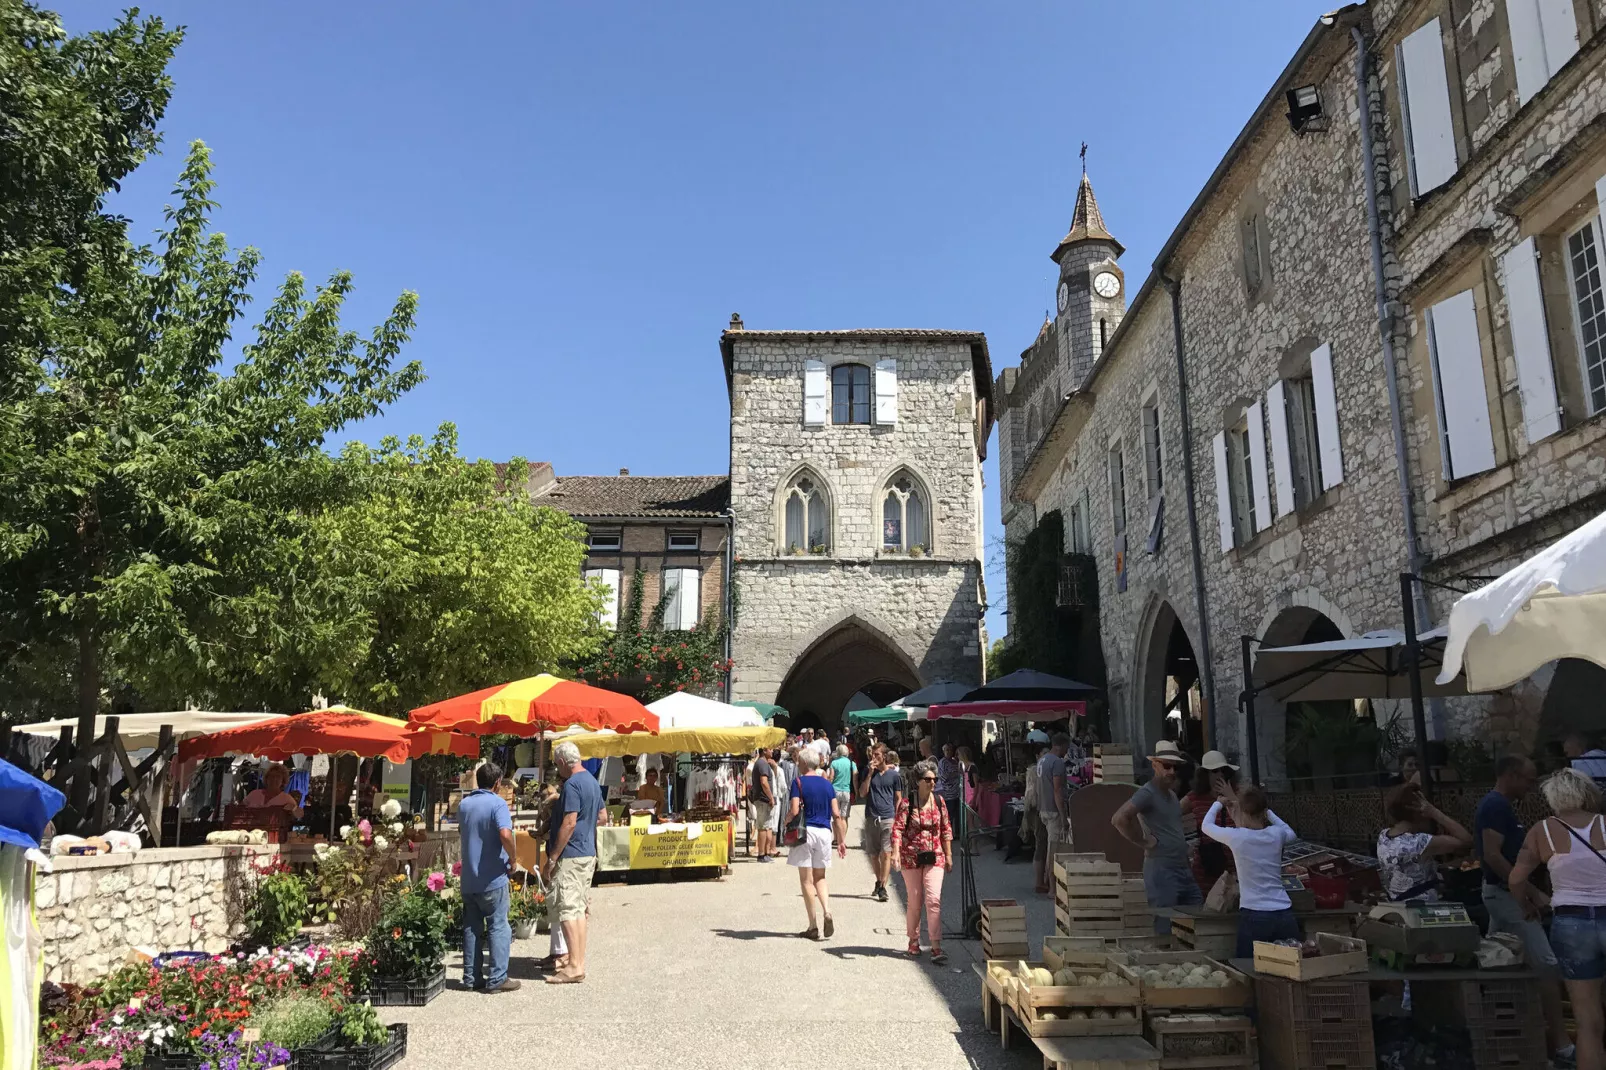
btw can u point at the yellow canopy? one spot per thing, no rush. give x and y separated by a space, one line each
738 740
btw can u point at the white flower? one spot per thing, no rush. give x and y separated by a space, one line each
396 828
345 830
390 809
320 849
380 843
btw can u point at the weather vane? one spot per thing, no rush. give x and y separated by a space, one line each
1084 157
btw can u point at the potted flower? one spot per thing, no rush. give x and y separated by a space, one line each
408 946
526 911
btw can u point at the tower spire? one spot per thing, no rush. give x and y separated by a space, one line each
1087 222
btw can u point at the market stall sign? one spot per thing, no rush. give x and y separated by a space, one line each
669 848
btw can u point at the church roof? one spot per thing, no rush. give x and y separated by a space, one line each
1087 222
640 496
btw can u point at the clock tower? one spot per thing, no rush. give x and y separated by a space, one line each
1091 295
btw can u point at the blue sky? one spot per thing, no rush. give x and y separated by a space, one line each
582 194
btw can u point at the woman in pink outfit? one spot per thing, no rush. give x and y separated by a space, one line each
923 844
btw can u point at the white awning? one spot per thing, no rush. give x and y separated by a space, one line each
1370 666
682 709
141 730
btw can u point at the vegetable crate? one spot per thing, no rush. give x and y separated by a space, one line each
1113 763
1198 1041
1137 916
1339 955
372 1057
1213 935
1055 948
1003 929
1321 1025
1238 992
1083 1009
1087 894
393 993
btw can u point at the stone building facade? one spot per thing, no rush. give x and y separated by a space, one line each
856 502
1250 375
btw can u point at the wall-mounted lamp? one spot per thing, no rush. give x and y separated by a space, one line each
1305 109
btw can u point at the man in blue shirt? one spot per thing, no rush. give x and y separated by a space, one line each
572 858
485 831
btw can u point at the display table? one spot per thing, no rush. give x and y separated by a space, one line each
648 845
989 805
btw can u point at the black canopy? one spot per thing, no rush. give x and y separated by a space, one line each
1029 685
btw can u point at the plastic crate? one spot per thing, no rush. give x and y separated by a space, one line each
1321 1047
161 1059
373 1057
1314 1003
392 993
1507 1047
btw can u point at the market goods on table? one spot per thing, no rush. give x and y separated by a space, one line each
1186 1041
1324 955
1185 979
1096 995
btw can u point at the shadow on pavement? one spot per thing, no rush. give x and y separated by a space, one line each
753 934
862 952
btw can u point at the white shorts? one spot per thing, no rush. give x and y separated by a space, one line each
813 851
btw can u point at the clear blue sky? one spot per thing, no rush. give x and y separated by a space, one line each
582 194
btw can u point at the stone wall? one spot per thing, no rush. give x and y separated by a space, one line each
92 910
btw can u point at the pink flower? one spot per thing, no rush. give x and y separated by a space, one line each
457 869
365 830
436 881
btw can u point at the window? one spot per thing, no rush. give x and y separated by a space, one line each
850 394
1081 540
607 578
1152 473
1256 266
1304 448
1425 109
605 540
1589 309
682 598
903 516
1241 480
689 539
1544 36
1117 489
808 517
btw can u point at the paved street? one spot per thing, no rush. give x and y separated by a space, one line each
698 974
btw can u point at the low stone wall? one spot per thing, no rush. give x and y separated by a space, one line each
92 910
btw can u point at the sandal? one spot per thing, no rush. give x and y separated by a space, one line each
811 933
830 926
914 949
566 979
937 957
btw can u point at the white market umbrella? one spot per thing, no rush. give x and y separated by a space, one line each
1551 606
682 709
139 731
1368 666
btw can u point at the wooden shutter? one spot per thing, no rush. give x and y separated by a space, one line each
1530 341
814 401
1223 490
1560 26
1426 88
1321 381
689 599
1257 466
1282 466
609 578
672 595
1527 47
1457 358
886 392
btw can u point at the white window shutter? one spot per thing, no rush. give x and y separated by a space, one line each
1600 198
1527 47
815 403
1560 27
672 597
1427 108
1257 466
886 392
1458 370
691 598
1281 464
1321 381
1530 341
610 610
1223 490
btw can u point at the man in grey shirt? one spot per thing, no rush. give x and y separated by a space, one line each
1152 819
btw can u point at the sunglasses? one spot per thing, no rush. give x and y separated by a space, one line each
1172 766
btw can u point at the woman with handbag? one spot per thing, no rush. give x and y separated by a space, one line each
813 813
923 844
1570 845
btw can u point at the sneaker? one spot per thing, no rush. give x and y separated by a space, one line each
510 985
766 858
881 892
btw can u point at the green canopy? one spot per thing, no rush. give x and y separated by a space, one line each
881 716
765 710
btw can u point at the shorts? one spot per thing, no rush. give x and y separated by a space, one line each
1505 916
844 800
1580 945
813 851
762 812
877 835
571 887
1268 926
1053 831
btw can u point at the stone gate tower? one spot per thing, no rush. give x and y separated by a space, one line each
856 498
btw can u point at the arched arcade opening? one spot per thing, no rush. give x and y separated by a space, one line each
852 657
1171 703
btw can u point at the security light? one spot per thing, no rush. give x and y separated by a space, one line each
1305 109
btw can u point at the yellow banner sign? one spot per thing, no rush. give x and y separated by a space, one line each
670 849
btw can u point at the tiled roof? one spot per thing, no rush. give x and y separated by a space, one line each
640 496
1087 222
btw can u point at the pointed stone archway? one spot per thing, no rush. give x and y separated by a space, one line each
847 656
1169 702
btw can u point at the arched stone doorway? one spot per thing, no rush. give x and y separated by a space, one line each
1320 745
851 656
1170 703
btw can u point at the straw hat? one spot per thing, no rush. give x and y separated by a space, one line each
1214 760
1167 751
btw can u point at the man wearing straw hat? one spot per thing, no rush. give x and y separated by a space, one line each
1152 819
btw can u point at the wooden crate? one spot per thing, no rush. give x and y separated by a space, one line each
1008 932
1215 938
1087 870
1340 955
1240 991
1031 1003
1199 1041
1057 949
1002 910
1098 1053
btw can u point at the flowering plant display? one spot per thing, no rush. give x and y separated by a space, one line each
233 1052
526 903
408 943
348 888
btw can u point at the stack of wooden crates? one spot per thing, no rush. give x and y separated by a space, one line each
1137 919
1113 764
1088 896
1003 929
1313 1016
1197 1026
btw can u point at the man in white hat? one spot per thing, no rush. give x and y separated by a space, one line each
1152 819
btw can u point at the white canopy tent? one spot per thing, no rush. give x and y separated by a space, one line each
1551 606
139 731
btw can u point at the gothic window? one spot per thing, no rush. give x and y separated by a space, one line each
808 516
904 516
850 394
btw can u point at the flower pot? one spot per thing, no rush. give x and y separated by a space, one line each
524 928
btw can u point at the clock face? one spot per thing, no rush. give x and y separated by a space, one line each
1065 296
1105 284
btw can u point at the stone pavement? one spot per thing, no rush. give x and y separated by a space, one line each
710 974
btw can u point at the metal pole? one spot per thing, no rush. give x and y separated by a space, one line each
1251 730
1413 662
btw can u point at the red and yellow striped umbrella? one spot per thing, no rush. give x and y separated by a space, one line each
337 730
535 705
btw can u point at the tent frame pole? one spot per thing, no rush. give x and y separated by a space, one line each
1413 655
1247 698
